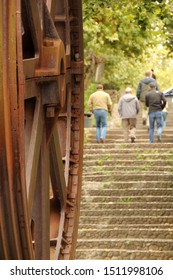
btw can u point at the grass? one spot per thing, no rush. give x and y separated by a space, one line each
101 160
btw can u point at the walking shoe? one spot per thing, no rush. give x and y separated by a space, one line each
132 139
158 139
144 121
102 140
98 142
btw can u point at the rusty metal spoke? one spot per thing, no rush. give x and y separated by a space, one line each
33 135
41 206
56 169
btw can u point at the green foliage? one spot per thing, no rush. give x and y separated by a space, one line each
127 37
88 92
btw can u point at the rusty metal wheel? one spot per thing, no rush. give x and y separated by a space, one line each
41 124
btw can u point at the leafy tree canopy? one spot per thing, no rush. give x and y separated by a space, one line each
124 38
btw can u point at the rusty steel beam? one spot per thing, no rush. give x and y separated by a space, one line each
16 240
75 153
41 126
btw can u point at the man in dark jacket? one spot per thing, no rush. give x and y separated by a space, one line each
156 101
128 108
142 90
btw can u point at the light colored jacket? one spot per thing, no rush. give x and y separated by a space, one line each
128 106
100 100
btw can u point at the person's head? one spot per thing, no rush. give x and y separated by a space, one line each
99 87
152 86
148 73
128 90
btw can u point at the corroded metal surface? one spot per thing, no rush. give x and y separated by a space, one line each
41 124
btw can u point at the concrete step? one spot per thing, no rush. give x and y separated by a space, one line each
126 212
129 149
126 199
124 232
125 205
119 131
122 254
126 220
99 177
151 163
127 146
129 192
139 140
126 185
127 244
128 226
131 173
129 156
119 168
144 135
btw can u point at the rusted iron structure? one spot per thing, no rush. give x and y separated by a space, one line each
41 127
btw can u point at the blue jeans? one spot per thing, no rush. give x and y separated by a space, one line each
101 123
164 115
155 117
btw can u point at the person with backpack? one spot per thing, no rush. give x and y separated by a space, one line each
156 102
142 90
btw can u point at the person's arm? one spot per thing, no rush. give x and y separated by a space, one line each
146 101
120 108
157 87
109 104
138 91
90 104
163 101
137 106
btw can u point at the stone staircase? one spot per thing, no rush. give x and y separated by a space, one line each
127 197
